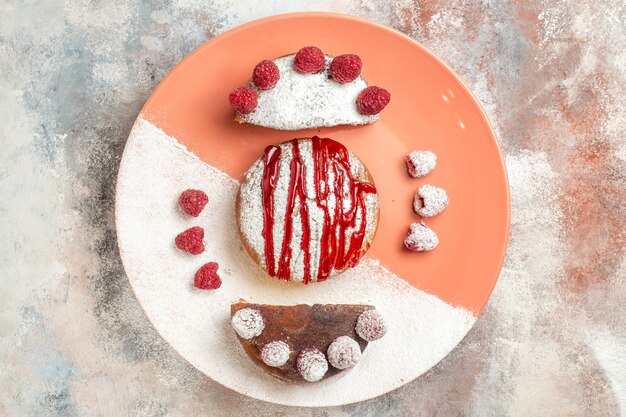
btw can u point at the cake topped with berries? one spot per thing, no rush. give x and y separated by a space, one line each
308 89
307 209
306 343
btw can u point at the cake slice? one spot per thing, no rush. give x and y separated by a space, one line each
303 342
292 93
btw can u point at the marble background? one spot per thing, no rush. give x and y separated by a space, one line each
550 74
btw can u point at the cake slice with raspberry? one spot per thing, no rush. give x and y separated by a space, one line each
308 89
304 343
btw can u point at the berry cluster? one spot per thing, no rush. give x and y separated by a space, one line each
310 60
191 241
264 77
429 201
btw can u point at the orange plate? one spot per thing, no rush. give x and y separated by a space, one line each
430 109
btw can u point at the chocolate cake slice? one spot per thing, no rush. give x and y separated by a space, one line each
304 342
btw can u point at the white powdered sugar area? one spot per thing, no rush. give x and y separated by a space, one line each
344 352
430 200
154 170
312 364
251 217
420 238
275 353
248 323
420 163
300 101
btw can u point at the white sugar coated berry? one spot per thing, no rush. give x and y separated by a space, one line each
312 364
275 353
344 352
248 323
420 163
420 238
371 325
430 200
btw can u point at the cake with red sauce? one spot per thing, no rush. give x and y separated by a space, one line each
306 343
307 210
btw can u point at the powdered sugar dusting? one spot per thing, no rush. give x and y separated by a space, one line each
312 365
275 353
344 352
248 323
300 101
422 328
251 205
371 325
420 163
420 238
430 200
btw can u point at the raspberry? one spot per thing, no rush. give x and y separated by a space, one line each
312 364
371 325
244 99
309 60
275 353
193 201
248 323
420 238
206 277
372 100
190 240
345 68
265 75
344 352
430 200
420 163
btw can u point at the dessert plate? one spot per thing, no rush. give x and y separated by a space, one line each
185 138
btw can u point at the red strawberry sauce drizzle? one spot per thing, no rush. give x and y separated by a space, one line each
327 155
270 178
